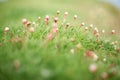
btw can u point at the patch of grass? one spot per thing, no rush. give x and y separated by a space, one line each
46 54
26 55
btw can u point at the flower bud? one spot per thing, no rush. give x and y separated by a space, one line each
31 29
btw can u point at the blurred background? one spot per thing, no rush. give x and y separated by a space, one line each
102 13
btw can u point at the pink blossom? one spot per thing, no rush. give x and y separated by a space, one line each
91 55
93 68
54 25
50 36
95 31
55 19
24 21
46 19
31 29
97 35
55 30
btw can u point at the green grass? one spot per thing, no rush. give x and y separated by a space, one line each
28 56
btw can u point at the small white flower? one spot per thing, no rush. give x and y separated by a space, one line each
6 29
91 26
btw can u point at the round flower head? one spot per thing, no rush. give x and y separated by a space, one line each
6 29
67 25
112 43
93 68
86 28
28 23
58 12
97 34
47 17
113 32
75 17
82 24
91 26
66 13
24 21
39 18
31 29
55 19
89 54
95 31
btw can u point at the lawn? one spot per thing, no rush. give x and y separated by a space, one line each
59 46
